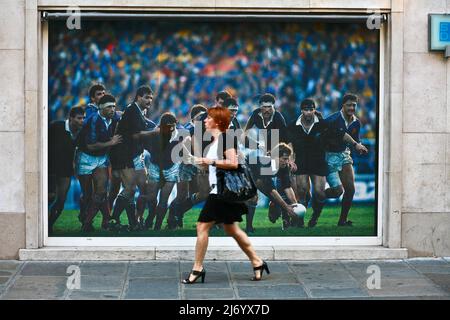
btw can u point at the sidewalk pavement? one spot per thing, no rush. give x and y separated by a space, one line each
344 279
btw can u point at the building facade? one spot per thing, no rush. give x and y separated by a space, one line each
414 189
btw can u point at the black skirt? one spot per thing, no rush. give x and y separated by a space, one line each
221 211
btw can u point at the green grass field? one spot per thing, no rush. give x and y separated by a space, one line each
363 217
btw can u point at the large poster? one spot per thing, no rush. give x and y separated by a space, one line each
308 91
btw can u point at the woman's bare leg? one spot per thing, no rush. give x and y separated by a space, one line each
201 245
244 243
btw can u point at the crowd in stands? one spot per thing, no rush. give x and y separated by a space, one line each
188 63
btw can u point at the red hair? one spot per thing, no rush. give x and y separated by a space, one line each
221 116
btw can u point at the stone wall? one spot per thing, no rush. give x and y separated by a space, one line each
12 128
426 135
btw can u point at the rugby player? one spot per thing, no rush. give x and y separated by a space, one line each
232 105
307 135
162 170
272 125
267 118
341 176
186 186
272 178
61 150
221 97
96 92
127 158
94 141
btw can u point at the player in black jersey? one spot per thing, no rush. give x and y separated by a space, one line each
61 150
268 121
309 135
127 158
272 177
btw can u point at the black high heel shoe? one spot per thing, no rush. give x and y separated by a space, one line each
262 268
197 275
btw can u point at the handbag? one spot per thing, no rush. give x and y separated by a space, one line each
235 185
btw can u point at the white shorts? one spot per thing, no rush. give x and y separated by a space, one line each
154 173
138 162
86 163
335 161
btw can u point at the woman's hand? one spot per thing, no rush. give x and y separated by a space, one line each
204 162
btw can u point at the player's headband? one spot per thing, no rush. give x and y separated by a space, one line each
106 105
198 115
233 107
267 104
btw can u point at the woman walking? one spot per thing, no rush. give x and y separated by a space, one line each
222 153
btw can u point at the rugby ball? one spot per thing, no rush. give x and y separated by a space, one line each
299 210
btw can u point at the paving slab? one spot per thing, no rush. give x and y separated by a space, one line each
33 287
443 268
102 269
338 292
441 280
244 279
327 276
401 283
97 283
212 280
210 266
315 265
10 264
326 271
151 288
93 295
331 284
3 280
206 294
383 265
408 274
246 267
426 261
360 270
272 292
153 270
7 273
409 291
52 269
409 298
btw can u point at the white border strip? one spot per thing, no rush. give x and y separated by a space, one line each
214 241
45 107
381 103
